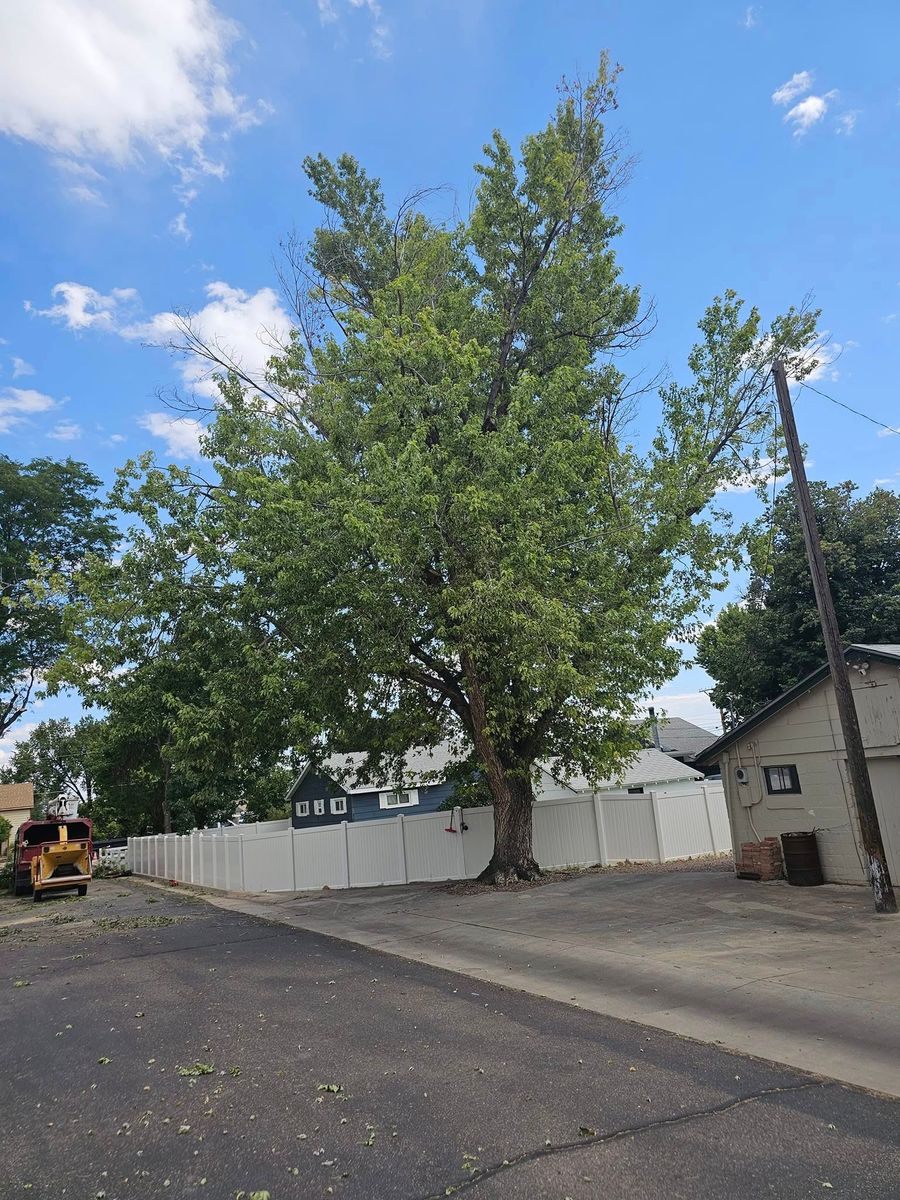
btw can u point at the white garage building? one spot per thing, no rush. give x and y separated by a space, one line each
785 768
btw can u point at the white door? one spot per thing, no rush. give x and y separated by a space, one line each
885 776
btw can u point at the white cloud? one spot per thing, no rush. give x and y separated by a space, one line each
21 367
380 34
750 20
808 112
888 432
19 733
117 437
795 86
85 194
749 481
115 82
826 353
17 404
81 307
246 327
846 123
178 226
181 434
65 431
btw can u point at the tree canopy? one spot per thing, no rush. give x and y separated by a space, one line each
50 521
762 646
431 519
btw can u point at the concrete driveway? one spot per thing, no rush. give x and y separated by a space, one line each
809 977
158 1047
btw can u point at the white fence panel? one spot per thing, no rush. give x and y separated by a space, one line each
718 816
234 866
320 857
268 862
375 852
431 852
478 839
684 828
577 831
565 833
630 829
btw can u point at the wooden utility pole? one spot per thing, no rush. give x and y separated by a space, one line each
873 847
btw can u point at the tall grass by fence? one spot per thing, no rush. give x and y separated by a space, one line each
578 831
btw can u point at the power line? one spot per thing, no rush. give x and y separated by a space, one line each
849 408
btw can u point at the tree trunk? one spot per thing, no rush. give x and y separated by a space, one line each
513 856
509 780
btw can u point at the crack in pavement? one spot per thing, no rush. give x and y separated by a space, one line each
615 1135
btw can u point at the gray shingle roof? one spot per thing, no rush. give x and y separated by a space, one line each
677 736
648 766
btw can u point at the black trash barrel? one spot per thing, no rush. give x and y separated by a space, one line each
802 864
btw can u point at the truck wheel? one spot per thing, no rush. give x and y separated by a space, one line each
38 897
82 889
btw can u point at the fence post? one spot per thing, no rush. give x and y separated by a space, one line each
456 820
602 850
405 869
293 855
712 833
657 831
346 828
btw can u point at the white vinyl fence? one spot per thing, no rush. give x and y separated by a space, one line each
578 831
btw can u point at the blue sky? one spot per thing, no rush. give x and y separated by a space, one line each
150 152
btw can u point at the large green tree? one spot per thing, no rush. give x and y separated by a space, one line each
50 520
434 518
760 647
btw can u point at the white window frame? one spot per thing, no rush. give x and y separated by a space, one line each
301 808
400 798
319 808
338 806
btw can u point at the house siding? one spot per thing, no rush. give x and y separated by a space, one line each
317 787
807 734
363 806
431 797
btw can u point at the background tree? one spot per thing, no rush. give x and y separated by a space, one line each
50 519
190 734
762 646
430 510
57 757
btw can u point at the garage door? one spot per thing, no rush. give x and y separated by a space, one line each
885 776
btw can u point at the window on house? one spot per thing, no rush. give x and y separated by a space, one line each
636 791
781 780
318 807
398 799
301 808
339 805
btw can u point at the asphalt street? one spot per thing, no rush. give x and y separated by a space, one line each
155 1046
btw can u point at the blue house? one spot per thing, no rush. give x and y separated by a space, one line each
336 792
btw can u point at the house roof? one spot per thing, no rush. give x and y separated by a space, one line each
15 796
888 653
427 766
648 766
677 736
